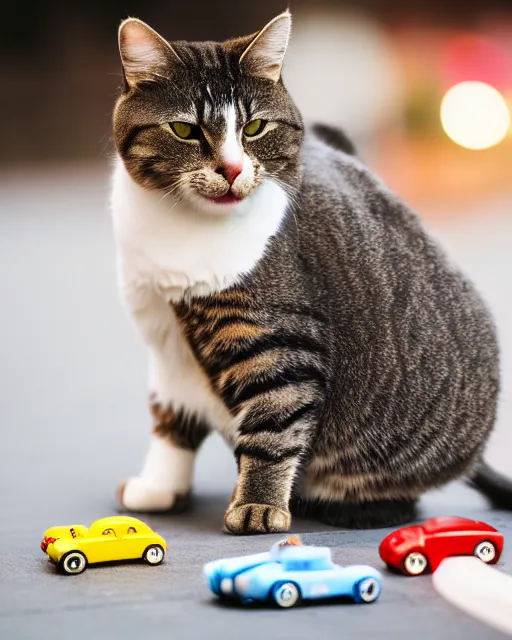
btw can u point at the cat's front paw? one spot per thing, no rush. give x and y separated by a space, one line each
257 518
143 495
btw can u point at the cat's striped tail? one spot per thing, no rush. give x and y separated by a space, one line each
495 486
335 137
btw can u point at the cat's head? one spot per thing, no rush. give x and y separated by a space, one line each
207 122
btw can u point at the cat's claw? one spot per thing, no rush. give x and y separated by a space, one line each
257 518
140 494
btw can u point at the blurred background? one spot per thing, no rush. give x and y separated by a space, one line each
423 86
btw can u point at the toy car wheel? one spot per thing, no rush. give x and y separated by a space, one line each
286 594
154 554
367 590
73 563
486 551
415 563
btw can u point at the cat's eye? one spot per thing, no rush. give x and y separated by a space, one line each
254 127
185 131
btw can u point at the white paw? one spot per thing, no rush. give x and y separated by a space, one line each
140 494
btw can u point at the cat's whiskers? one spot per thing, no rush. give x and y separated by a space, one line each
175 186
178 201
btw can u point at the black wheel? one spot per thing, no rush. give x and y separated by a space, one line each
73 563
154 554
486 551
286 594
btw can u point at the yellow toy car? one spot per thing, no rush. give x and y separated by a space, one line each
109 539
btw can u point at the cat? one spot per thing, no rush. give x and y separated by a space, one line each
288 300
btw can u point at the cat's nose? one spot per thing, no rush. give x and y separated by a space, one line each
230 171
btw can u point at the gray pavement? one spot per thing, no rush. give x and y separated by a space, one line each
73 416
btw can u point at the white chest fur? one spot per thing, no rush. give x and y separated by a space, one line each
175 248
167 251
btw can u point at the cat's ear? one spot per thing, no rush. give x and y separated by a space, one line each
264 56
144 53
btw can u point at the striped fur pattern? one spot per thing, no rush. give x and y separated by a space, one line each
348 363
269 371
184 430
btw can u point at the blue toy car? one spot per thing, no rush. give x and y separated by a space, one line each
289 573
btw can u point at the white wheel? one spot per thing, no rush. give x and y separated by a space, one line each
286 595
415 563
486 551
368 590
154 554
73 563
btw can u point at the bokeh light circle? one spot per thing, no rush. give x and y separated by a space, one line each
475 115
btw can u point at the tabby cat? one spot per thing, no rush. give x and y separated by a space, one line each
287 298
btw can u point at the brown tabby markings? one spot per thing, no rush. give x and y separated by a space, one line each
163 418
227 335
280 402
185 431
247 360
238 373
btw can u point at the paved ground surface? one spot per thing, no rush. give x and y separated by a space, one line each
74 423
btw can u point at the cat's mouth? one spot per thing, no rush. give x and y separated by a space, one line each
227 198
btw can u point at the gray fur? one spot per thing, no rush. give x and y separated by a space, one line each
413 373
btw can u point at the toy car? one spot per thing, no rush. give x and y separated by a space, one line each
74 547
289 573
419 549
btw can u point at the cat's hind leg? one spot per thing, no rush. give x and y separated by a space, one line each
165 480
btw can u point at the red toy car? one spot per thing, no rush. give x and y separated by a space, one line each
417 549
